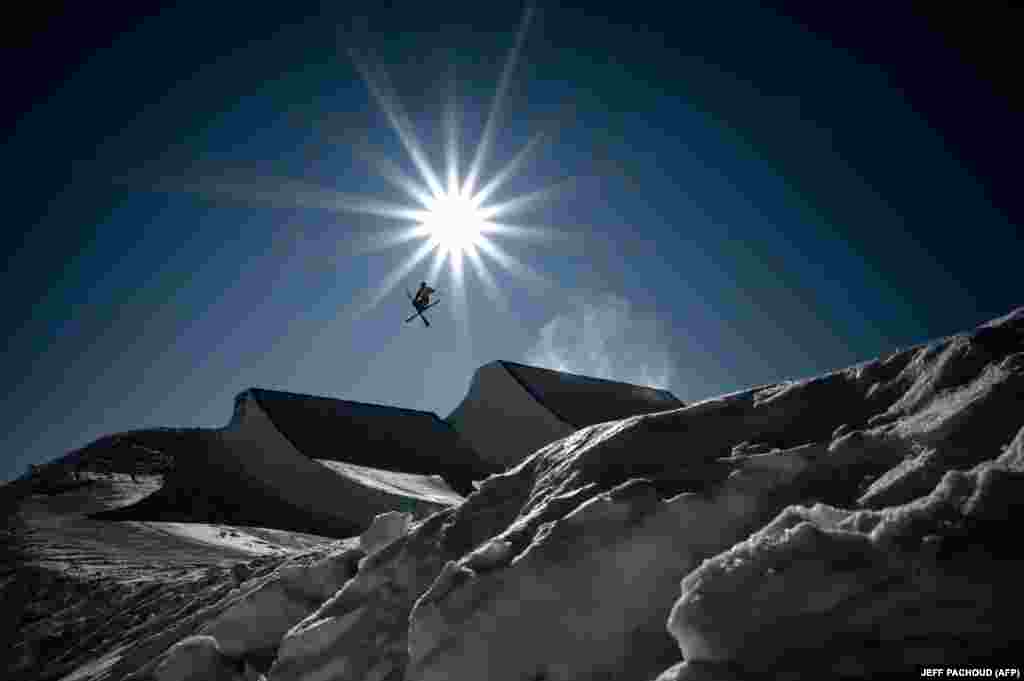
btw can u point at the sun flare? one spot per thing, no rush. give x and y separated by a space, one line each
454 222
456 211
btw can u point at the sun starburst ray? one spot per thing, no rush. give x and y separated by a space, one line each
513 166
372 207
497 102
525 202
391 105
511 263
451 132
390 171
490 285
399 273
440 255
291 193
389 239
522 231
460 306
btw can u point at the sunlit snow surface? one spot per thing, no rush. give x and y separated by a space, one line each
430 488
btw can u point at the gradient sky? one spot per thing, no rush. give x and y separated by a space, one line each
756 195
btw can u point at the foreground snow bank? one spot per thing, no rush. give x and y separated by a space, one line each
924 583
845 526
765 505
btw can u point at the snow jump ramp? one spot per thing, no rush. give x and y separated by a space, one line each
317 464
329 466
513 409
332 430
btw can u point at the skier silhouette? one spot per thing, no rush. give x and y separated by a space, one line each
422 298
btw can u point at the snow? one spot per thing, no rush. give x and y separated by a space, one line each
853 524
197 658
430 488
223 536
386 528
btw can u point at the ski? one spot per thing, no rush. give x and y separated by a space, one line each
419 312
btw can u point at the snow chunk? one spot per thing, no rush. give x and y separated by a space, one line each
386 528
198 658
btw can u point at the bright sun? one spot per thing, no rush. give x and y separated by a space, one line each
454 222
452 210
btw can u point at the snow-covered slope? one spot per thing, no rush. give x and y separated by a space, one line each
852 525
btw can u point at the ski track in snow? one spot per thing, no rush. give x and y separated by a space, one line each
50 536
105 594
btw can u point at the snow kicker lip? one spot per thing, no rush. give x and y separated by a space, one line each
513 409
371 435
271 465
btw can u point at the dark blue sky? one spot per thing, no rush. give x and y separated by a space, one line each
758 194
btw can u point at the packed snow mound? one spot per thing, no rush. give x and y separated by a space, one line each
929 582
370 435
197 658
513 409
849 525
568 566
250 474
